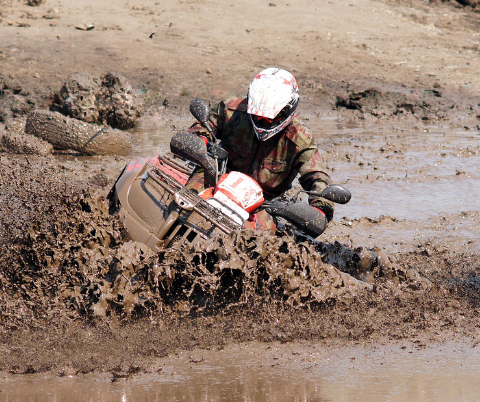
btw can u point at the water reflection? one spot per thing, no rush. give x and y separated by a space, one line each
406 173
292 372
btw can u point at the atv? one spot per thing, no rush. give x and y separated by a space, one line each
157 209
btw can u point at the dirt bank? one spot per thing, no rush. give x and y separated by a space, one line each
77 298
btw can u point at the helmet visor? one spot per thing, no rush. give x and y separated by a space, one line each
264 123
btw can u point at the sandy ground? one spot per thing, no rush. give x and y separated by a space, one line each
212 49
377 63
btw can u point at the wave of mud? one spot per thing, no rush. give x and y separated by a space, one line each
78 265
75 297
68 258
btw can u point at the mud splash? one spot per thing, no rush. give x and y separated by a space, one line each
79 263
76 297
70 282
66 257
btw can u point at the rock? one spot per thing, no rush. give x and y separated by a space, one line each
85 26
15 99
78 97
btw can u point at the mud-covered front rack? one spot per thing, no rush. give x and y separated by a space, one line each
158 210
188 200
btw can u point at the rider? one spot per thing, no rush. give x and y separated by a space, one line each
266 140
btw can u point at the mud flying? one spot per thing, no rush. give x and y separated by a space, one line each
69 269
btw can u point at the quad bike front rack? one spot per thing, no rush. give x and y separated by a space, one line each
158 210
187 200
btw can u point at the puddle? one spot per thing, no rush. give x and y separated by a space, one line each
278 373
416 174
411 201
459 234
152 134
410 173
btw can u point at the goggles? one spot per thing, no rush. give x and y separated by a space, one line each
265 123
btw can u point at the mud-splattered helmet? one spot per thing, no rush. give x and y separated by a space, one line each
272 99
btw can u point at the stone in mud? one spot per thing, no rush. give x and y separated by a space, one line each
119 102
67 133
78 97
106 100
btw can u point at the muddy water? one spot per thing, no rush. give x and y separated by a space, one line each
406 174
417 173
411 172
275 372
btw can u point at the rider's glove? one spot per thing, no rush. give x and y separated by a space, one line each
327 207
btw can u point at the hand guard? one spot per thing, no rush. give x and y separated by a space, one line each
309 220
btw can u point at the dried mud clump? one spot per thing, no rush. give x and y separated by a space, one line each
107 100
15 99
434 104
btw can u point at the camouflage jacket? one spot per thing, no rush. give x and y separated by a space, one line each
273 163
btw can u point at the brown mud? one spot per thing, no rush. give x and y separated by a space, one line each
65 133
77 298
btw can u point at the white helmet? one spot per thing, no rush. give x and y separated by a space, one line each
272 99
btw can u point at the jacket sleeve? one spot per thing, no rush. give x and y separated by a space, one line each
314 177
217 118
